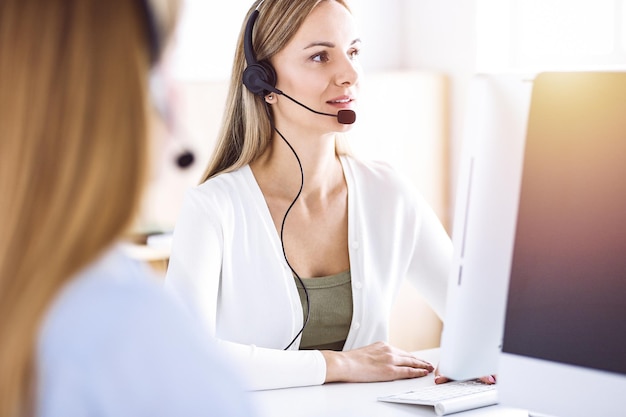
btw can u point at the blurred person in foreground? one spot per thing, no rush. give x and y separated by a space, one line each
84 330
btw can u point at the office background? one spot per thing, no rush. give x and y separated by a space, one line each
418 57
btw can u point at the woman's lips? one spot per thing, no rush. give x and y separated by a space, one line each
342 102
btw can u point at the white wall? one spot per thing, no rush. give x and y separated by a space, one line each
426 35
441 36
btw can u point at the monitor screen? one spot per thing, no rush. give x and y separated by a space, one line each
564 346
483 225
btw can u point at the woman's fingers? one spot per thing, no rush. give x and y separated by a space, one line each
489 379
441 379
402 358
376 362
407 359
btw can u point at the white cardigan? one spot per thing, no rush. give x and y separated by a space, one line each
227 265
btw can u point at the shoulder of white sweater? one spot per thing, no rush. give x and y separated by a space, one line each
381 178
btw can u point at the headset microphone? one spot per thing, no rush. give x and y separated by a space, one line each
185 159
344 116
158 96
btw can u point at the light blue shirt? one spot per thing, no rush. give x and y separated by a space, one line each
115 344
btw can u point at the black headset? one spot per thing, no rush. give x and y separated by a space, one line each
259 76
154 38
185 157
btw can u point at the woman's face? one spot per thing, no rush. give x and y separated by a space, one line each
319 67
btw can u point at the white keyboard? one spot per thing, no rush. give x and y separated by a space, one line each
450 397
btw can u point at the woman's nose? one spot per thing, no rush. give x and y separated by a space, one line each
348 72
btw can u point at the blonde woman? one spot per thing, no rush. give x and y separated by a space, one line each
83 329
292 251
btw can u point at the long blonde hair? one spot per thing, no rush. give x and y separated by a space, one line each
246 130
73 158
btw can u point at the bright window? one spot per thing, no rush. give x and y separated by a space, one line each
538 35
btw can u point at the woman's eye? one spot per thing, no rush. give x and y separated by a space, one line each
321 57
354 53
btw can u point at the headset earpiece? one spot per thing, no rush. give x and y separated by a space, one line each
259 76
154 35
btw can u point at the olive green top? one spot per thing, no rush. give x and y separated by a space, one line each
331 311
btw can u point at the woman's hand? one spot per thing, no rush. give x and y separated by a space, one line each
374 363
440 379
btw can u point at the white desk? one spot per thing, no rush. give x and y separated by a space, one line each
359 400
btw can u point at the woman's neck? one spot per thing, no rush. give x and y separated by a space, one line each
278 172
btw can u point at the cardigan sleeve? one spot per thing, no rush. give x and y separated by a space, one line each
273 368
193 275
430 266
193 272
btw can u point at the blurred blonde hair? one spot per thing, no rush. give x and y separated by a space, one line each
73 157
246 130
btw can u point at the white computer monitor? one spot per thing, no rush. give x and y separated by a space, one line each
564 350
483 225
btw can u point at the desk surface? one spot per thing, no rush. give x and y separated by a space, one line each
359 400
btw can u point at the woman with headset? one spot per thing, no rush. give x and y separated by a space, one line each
84 330
291 251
